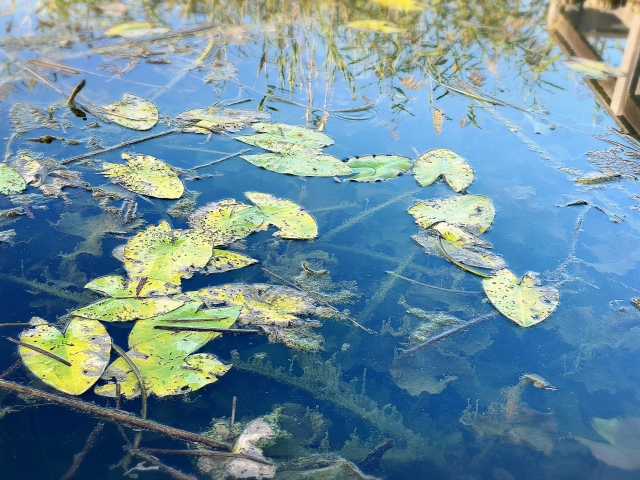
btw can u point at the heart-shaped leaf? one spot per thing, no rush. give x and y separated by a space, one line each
523 302
85 345
114 286
299 161
132 112
145 175
127 309
378 168
274 134
442 162
472 211
293 221
227 221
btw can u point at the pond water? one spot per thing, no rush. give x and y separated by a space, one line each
339 367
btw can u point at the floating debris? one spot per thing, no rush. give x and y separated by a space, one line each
128 210
537 381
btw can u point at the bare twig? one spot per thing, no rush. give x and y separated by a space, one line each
10 370
16 324
77 460
112 415
233 410
76 91
394 274
206 453
39 350
172 472
244 150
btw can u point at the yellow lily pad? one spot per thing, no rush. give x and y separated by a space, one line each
471 255
459 235
525 302
132 112
274 135
442 162
378 168
167 255
10 180
127 309
293 221
85 345
376 26
145 175
472 211
166 367
115 286
296 160
135 29
227 221
226 260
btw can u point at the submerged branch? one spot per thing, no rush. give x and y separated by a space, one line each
244 150
77 460
206 453
394 274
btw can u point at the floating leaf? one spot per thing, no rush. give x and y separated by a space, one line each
592 68
166 367
458 235
378 168
216 317
145 175
227 221
135 29
293 221
32 171
127 309
218 119
25 117
523 302
167 255
114 286
10 181
468 254
442 162
85 344
225 260
263 304
472 211
132 112
274 134
376 26
406 5
301 162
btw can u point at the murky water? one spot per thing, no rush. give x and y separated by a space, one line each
393 77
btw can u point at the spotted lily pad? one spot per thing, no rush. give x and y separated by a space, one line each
458 235
378 168
376 26
471 255
299 161
128 309
473 211
165 364
10 181
227 221
226 260
115 286
145 175
135 29
442 162
293 221
132 112
218 119
85 344
263 304
273 135
167 255
525 302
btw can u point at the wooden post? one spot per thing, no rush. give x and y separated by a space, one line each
628 66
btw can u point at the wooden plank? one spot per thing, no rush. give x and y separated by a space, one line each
628 66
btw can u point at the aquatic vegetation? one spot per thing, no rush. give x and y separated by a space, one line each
301 162
624 442
135 29
10 180
378 168
132 112
592 68
279 137
219 119
226 260
442 162
475 212
227 221
293 221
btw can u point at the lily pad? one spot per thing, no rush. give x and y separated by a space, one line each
301 162
274 134
132 112
115 286
378 168
293 221
226 260
85 345
185 315
227 221
145 175
459 235
593 68
218 119
167 255
263 304
473 211
525 302
32 171
127 309
10 180
166 367
135 29
471 255
442 162
376 26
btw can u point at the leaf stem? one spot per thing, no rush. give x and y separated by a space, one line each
39 350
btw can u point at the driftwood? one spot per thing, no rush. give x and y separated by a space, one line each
114 416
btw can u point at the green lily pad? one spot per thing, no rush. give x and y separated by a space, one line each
145 175
525 302
166 367
378 168
185 315
472 211
85 344
301 162
275 134
263 304
132 112
593 68
114 286
459 236
226 260
10 180
227 221
127 309
442 162
135 29
167 255
293 221
218 119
